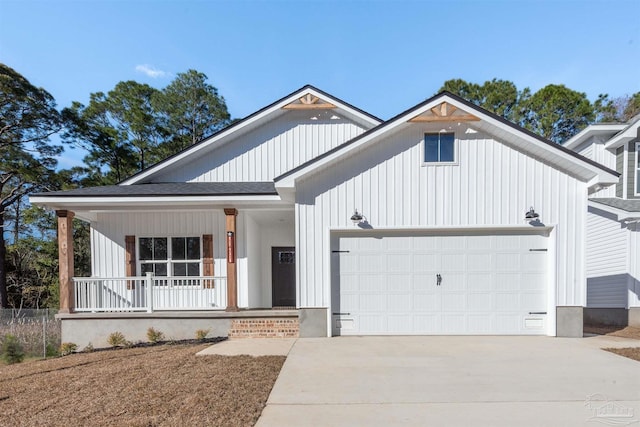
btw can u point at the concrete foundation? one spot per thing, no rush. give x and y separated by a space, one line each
94 328
634 317
313 322
569 321
606 316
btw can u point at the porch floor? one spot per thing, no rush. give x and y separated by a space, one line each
185 314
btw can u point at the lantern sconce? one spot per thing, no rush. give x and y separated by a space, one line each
531 215
357 217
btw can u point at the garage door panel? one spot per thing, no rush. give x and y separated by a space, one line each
481 324
508 261
454 302
480 302
400 303
507 281
426 302
480 282
423 262
372 283
372 263
400 324
451 262
454 323
400 282
372 302
399 262
479 262
489 284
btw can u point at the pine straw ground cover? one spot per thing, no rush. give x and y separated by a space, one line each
628 332
166 385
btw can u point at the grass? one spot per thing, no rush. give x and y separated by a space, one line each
627 332
165 385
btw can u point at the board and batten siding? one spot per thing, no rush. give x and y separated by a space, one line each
632 171
269 151
594 149
606 260
492 185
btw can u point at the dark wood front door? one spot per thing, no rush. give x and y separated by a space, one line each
283 276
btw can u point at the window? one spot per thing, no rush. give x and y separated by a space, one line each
439 148
637 168
175 256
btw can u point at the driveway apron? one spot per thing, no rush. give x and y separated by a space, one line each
455 381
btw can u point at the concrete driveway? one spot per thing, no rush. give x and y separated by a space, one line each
455 381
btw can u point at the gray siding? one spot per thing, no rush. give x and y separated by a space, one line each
619 169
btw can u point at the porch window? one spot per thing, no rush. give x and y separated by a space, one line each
637 168
175 256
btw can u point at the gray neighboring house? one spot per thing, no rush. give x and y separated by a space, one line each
613 232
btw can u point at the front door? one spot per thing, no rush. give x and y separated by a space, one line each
283 276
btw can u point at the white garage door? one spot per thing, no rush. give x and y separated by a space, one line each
476 284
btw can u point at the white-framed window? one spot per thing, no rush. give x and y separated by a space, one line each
637 169
439 148
170 256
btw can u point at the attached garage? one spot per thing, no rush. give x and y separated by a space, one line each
440 282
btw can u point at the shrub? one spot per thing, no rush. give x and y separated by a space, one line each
154 335
117 339
67 348
201 334
88 348
12 351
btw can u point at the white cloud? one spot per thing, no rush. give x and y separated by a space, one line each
151 71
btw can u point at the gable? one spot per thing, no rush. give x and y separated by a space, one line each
296 127
263 153
490 182
448 109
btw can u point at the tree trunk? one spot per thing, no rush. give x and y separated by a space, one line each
4 298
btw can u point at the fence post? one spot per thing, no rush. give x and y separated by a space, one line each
149 286
44 336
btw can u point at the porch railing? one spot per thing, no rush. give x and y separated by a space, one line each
150 293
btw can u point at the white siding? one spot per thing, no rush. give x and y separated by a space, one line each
593 149
606 260
109 230
492 185
269 151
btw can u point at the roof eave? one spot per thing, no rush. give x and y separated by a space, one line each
247 121
603 175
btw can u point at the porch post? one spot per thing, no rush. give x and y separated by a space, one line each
232 271
65 260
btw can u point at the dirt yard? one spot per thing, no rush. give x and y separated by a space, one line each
166 385
628 332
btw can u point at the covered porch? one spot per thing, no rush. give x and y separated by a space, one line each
177 247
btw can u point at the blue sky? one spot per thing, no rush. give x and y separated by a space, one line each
382 56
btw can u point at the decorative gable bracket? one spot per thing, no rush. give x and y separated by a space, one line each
309 102
444 112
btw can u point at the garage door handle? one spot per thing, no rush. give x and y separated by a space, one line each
438 280
342 314
537 312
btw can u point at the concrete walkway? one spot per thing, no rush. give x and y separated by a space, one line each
251 347
455 381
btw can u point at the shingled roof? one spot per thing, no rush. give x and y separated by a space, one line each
170 189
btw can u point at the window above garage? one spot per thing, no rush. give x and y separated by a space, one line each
439 148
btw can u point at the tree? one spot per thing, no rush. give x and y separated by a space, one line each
191 109
498 96
28 117
557 112
554 112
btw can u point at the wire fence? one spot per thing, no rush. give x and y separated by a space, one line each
37 330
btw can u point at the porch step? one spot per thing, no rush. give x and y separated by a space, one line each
272 327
